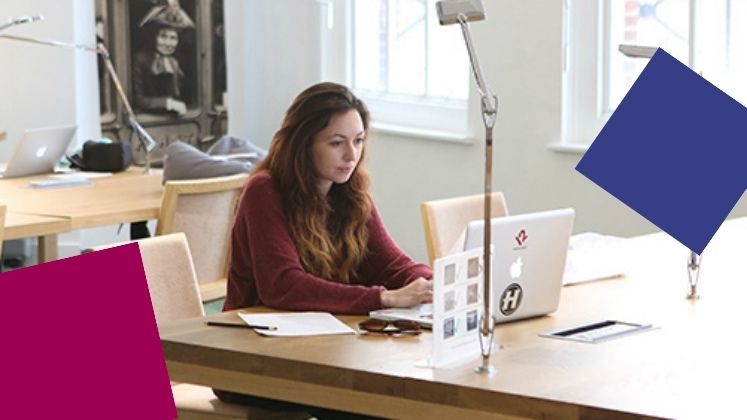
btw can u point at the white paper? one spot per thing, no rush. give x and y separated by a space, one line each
593 256
70 181
81 174
297 324
457 306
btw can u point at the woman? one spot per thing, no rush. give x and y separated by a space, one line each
307 234
158 78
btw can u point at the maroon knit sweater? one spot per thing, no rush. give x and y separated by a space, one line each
265 269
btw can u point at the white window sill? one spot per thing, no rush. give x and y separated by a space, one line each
573 148
421 133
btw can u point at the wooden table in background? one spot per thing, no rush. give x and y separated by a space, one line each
20 225
689 367
125 197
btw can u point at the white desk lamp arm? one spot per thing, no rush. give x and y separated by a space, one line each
20 21
488 99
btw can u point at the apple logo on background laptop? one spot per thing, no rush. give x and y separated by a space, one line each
41 151
515 269
511 296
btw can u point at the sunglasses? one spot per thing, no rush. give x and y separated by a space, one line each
399 327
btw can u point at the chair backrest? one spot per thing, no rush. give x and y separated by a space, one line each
445 220
2 226
204 210
171 278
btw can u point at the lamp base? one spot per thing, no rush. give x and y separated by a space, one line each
485 369
693 276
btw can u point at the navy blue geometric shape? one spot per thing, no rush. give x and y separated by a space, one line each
675 151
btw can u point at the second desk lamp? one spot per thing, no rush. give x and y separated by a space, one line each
693 261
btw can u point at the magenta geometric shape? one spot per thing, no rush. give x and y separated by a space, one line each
79 340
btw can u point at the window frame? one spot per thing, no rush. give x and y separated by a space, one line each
585 82
406 115
584 73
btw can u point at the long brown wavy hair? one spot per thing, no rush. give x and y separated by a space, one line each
329 231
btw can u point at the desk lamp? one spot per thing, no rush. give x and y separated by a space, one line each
693 262
461 12
146 141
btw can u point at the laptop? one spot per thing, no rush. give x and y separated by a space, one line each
528 261
38 151
528 266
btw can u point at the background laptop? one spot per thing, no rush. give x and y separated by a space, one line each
38 151
528 261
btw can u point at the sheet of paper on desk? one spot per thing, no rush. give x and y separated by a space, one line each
297 324
51 182
80 174
593 256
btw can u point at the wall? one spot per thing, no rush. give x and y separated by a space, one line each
519 46
272 53
273 50
45 86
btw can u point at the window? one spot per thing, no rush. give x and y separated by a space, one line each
412 72
598 76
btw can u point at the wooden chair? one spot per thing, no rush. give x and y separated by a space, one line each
175 295
444 220
204 210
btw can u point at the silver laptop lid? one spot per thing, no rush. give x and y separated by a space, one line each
39 150
528 261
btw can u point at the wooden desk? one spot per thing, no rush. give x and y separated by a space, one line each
680 370
124 197
20 225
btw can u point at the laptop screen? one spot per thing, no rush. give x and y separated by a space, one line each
39 150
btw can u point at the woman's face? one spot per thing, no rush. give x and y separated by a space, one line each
166 41
338 148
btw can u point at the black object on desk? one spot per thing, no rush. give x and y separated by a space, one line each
598 331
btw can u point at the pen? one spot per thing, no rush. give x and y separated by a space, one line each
237 325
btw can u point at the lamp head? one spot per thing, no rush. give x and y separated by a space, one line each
637 51
146 141
450 10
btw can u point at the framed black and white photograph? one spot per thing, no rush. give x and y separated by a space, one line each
170 57
163 56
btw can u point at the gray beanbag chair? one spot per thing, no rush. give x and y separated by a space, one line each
184 161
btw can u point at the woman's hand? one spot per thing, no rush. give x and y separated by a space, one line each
415 293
